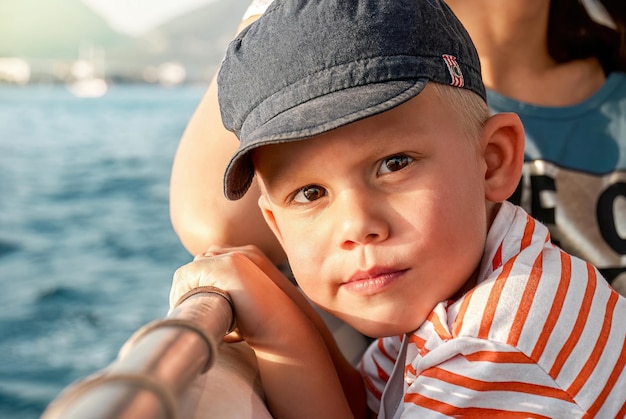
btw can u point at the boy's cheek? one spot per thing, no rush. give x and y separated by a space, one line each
306 264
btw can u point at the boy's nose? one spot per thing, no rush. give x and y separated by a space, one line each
360 219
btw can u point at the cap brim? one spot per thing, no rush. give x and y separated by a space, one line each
314 117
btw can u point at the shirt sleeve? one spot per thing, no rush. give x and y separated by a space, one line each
257 7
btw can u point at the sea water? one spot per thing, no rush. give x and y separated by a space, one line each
87 251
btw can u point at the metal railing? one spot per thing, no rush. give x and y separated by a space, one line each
154 367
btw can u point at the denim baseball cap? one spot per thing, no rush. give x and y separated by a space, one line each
309 66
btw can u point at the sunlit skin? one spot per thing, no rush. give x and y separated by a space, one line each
383 218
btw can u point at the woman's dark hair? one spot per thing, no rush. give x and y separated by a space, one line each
572 34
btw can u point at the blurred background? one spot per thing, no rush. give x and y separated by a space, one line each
94 97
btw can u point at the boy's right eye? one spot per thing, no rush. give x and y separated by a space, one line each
309 193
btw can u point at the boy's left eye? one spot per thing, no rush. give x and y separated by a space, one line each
394 163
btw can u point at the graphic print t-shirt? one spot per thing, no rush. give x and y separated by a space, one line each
575 174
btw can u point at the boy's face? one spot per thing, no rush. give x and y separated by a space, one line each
383 218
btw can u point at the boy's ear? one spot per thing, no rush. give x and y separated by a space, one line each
503 151
268 214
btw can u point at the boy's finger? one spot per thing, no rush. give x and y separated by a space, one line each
233 337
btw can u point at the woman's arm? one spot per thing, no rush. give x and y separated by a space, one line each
200 214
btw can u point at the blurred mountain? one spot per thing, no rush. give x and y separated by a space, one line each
51 34
52 29
196 40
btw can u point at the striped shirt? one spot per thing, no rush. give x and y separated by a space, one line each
541 335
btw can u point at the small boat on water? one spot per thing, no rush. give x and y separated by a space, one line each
88 88
87 73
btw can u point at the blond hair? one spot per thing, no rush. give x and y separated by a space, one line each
470 107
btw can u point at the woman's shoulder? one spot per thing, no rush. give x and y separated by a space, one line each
613 90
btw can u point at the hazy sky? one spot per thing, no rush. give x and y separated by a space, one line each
136 16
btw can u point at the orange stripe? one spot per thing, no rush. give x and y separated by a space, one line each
417 341
369 384
557 305
458 321
528 233
419 344
382 374
479 385
496 291
383 350
466 412
532 283
499 357
599 347
622 412
579 326
494 297
610 384
438 326
497 259
410 368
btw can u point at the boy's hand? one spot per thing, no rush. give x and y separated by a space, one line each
288 336
258 289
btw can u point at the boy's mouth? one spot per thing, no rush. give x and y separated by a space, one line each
373 281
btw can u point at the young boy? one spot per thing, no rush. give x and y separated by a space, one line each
384 178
